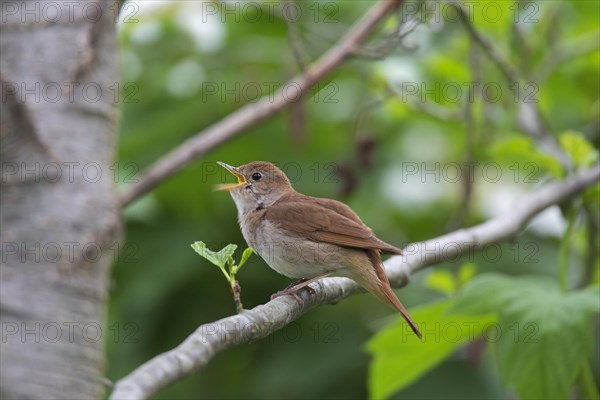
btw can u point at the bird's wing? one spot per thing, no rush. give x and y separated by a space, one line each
331 222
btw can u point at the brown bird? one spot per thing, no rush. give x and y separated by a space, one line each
308 238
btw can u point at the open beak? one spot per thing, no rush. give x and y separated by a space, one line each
234 171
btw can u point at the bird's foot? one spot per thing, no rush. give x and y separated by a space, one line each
289 291
296 285
310 290
292 290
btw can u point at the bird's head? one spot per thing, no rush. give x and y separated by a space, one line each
259 185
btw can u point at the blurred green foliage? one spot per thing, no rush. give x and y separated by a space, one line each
547 337
399 357
385 136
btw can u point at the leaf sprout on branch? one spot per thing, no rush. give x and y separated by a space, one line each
224 260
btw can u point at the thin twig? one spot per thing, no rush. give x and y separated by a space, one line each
530 117
509 71
593 234
523 50
432 109
294 38
297 108
209 339
436 110
581 46
470 135
236 289
406 25
239 121
364 111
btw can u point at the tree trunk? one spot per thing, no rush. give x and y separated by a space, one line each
59 220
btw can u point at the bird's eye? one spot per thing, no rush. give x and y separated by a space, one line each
256 176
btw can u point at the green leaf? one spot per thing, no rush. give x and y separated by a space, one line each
441 281
449 67
400 358
200 248
588 383
544 333
219 258
225 255
396 108
466 272
581 152
245 255
522 155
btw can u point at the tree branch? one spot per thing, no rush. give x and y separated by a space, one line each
211 338
251 114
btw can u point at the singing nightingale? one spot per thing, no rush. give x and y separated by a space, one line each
306 237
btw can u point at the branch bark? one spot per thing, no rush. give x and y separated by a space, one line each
211 338
235 123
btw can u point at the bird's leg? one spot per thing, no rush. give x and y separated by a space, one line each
302 283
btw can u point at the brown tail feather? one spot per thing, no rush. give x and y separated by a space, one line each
389 297
384 292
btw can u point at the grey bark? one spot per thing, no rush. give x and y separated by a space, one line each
59 217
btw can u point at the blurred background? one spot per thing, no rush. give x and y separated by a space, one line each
388 133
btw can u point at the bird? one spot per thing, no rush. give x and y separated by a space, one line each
308 238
